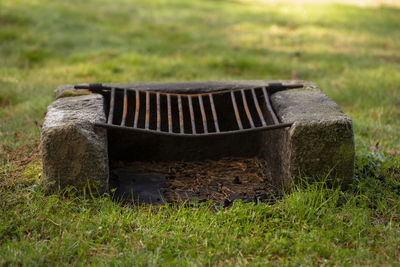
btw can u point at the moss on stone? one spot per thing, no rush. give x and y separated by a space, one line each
69 93
345 152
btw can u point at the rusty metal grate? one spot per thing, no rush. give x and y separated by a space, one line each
220 112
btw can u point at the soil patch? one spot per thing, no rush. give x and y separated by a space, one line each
13 163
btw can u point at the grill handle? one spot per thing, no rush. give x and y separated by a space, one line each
93 87
271 87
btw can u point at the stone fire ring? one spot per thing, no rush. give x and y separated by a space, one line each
320 143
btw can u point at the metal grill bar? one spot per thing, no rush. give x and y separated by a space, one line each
246 108
158 112
237 115
247 130
181 126
169 114
125 108
112 103
178 115
214 113
253 93
147 117
192 114
269 107
135 124
203 114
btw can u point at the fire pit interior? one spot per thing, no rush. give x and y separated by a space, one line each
174 146
221 181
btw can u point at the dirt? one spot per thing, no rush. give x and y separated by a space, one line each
221 181
14 162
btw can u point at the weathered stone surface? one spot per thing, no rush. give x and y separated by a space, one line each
319 144
63 90
74 151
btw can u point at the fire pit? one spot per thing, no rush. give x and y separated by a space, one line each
172 142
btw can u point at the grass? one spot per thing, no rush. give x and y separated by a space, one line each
314 224
351 52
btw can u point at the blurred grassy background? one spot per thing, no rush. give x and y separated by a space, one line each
351 52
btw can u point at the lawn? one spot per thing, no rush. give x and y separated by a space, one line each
351 52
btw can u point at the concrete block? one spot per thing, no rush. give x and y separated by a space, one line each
74 151
320 143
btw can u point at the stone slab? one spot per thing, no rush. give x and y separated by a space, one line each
74 151
319 144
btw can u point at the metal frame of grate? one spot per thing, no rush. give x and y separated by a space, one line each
242 102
